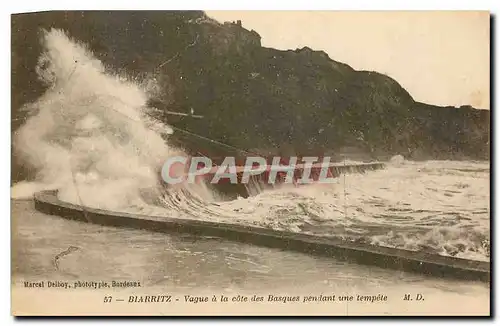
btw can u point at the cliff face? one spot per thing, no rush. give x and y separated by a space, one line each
252 97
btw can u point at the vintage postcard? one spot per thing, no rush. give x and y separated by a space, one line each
242 163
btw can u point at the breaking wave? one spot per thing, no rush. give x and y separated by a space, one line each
90 136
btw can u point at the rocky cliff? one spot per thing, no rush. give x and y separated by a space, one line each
252 97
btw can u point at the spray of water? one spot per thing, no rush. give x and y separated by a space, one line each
89 135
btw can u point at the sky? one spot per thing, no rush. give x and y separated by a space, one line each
440 57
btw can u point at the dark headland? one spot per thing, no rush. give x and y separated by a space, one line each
255 98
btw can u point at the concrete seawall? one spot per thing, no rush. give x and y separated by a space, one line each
232 191
404 260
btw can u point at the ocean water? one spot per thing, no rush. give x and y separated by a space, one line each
178 264
434 206
90 137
